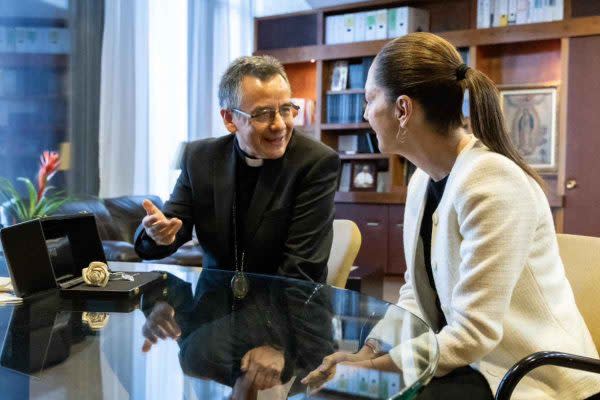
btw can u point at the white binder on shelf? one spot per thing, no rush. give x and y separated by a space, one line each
559 10
381 24
522 11
371 25
329 30
348 28
512 12
360 26
339 29
483 14
405 20
548 10
535 10
500 13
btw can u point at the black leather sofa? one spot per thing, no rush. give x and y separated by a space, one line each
117 220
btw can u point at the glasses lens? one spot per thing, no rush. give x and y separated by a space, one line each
265 116
285 111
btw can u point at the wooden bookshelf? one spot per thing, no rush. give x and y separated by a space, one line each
398 197
529 54
346 91
345 127
573 27
365 156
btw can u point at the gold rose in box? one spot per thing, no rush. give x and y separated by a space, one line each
65 252
98 274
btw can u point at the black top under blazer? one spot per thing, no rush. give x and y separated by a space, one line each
289 224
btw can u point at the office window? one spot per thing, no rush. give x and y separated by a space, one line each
35 43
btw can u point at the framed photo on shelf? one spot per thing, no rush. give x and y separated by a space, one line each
364 176
530 113
339 76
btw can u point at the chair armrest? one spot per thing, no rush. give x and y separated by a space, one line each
532 361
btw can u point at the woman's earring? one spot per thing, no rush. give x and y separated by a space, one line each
401 134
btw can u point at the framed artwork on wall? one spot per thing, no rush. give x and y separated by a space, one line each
530 113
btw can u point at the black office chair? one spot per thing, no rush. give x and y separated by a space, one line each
541 358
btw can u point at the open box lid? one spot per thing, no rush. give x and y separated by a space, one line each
47 253
72 243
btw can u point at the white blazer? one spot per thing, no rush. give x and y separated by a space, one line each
498 274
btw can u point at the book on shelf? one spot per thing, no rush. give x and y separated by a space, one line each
356 78
345 108
496 13
375 24
345 175
364 143
358 71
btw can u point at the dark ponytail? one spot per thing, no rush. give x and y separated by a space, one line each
430 70
487 121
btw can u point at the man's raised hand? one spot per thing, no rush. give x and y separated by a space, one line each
161 229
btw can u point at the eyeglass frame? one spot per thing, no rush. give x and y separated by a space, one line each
278 110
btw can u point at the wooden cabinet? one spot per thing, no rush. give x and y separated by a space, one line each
372 221
396 261
381 228
582 192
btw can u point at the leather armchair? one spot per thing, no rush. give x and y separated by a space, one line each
117 219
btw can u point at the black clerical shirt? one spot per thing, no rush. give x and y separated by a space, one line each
246 177
435 191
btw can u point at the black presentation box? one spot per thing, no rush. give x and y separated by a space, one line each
49 253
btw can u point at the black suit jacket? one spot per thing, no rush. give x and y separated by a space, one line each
289 220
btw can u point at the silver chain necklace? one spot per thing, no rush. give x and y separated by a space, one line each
239 282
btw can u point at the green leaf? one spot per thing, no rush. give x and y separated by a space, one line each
14 198
54 205
32 195
40 206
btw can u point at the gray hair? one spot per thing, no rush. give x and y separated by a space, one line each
261 67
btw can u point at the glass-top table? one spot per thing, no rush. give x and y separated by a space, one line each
258 347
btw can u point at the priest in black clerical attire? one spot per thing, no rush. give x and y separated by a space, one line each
262 198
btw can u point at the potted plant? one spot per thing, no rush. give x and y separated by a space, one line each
39 202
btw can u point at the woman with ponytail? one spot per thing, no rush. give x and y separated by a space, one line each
483 267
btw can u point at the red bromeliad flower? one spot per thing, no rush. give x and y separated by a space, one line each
49 163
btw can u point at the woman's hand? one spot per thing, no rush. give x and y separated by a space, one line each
326 371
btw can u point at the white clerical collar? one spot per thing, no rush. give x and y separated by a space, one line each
253 162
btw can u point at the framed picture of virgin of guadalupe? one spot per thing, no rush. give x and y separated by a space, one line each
530 113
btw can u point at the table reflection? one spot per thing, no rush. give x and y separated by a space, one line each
190 338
